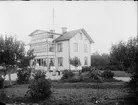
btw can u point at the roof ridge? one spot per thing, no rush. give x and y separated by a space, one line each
74 30
68 35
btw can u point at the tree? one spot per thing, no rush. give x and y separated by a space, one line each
123 54
75 62
25 61
100 61
11 51
133 84
24 73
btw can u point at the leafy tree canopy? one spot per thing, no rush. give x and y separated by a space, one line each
123 54
11 50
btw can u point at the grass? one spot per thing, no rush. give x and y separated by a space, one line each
89 93
78 85
78 93
120 73
20 90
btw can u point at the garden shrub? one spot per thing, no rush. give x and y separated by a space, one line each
23 76
132 89
74 79
86 68
1 82
91 76
107 74
67 74
38 74
95 75
3 96
40 88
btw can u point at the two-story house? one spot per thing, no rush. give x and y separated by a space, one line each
54 49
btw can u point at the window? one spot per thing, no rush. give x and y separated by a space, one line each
76 47
80 36
51 47
38 61
85 48
51 62
60 61
59 47
45 62
85 61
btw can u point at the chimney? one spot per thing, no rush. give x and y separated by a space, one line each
64 30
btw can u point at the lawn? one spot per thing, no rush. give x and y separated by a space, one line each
78 85
88 95
79 93
83 93
120 73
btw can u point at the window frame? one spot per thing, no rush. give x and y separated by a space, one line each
85 48
45 62
59 47
60 61
51 47
85 60
75 47
52 59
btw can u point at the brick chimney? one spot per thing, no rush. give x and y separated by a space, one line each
64 30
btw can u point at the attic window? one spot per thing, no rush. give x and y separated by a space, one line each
80 36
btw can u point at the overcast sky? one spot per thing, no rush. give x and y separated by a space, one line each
106 22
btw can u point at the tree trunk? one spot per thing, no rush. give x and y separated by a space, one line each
9 74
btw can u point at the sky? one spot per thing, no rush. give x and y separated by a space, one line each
106 22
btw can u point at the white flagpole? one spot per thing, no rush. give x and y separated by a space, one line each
53 17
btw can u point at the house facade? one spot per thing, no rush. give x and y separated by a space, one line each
52 49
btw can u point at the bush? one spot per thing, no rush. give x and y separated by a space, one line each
38 74
73 79
1 82
95 75
3 96
86 69
91 76
67 74
23 76
107 74
40 88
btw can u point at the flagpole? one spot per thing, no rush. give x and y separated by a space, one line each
53 18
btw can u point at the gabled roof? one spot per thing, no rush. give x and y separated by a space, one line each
37 32
70 34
